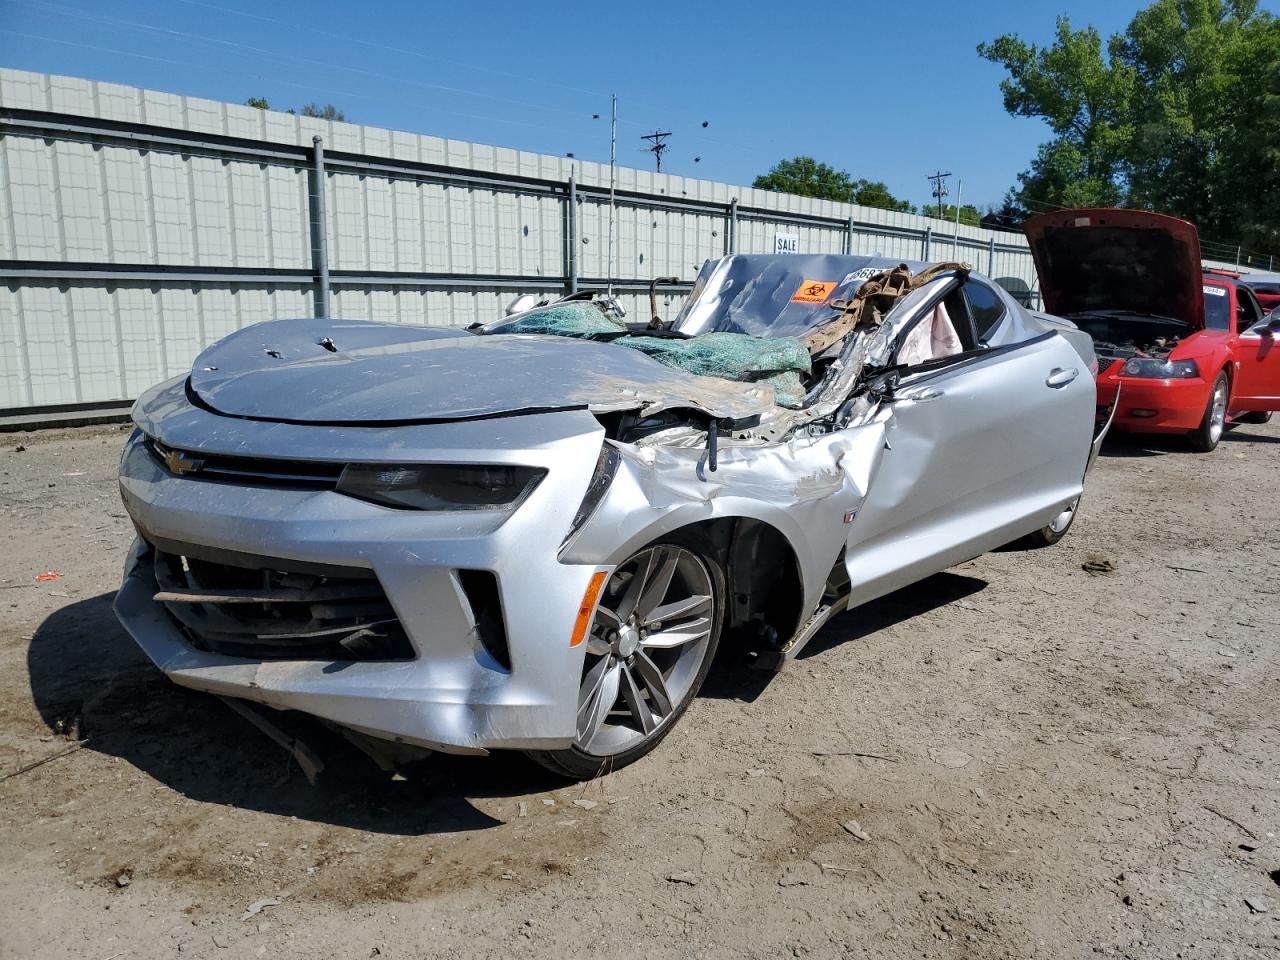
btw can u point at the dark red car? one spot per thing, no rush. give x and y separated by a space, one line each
1184 350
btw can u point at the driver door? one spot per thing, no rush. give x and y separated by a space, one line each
1257 380
982 447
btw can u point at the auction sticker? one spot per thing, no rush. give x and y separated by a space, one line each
813 291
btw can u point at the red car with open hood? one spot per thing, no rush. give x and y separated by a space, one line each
1180 350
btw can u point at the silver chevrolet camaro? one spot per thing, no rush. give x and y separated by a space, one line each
534 534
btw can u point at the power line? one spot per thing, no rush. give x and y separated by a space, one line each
277 55
346 38
289 83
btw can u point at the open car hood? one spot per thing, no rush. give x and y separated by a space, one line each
355 371
1110 259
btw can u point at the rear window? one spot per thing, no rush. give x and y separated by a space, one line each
1217 308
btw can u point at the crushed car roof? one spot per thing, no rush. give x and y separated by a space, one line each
774 295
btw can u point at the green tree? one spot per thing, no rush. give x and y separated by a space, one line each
1247 171
1189 57
1181 114
873 193
1084 96
806 177
968 214
1008 216
258 102
327 112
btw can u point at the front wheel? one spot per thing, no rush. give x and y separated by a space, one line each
1206 436
650 646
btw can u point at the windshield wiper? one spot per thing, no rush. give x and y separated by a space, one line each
1108 314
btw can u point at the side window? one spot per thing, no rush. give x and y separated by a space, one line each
941 332
985 306
1248 310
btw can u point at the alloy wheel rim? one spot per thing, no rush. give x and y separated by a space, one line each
648 640
1063 520
1218 414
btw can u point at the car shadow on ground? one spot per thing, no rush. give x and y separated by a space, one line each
735 677
1122 444
87 673
1242 434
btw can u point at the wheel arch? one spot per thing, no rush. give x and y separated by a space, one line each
764 580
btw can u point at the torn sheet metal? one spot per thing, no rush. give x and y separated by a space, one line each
382 373
797 486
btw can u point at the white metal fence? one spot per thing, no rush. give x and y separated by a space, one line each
137 227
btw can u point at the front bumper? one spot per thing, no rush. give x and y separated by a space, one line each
1154 406
453 695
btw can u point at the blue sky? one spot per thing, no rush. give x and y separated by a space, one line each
849 83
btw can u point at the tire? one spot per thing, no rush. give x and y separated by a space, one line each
648 676
1212 425
1054 530
1261 416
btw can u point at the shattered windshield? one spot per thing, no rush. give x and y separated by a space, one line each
768 295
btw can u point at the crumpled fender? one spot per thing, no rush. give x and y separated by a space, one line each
803 488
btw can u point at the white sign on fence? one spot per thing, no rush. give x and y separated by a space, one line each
786 243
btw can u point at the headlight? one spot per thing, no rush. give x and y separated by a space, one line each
1163 369
440 486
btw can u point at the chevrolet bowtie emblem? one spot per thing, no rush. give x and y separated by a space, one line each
179 463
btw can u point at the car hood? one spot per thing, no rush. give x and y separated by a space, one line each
359 372
1109 259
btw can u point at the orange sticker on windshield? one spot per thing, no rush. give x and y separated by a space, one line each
813 291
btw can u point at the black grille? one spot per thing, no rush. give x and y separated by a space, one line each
1104 363
253 607
258 471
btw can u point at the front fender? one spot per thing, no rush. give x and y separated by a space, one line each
803 488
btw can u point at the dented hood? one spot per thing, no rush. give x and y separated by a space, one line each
353 371
1109 259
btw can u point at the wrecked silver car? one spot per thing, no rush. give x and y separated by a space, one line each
534 534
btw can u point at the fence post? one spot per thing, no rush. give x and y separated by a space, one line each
571 249
848 237
928 242
320 251
733 226
991 257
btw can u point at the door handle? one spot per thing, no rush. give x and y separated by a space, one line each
1060 376
922 397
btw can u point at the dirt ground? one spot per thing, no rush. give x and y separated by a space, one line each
1043 763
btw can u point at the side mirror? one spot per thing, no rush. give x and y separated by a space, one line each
1272 326
883 385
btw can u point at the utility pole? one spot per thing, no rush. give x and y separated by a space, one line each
939 187
660 146
613 180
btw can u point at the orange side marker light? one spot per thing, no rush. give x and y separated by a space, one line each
588 608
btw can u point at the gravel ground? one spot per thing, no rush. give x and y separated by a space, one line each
1040 762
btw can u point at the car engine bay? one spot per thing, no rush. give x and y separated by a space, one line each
1120 334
